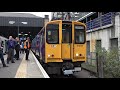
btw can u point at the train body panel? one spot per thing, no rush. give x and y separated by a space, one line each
66 51
53 52
79 53
3 41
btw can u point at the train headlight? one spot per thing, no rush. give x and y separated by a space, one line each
48 55
77 54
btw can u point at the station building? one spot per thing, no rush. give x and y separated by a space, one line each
103 29
21 24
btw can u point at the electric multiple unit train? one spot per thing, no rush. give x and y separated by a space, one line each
61 46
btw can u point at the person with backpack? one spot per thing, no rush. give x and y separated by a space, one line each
11 46
22 47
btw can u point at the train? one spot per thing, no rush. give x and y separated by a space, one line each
3 44
61 46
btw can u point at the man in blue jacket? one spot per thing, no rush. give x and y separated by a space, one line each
11 46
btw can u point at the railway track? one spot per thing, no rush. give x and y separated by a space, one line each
61 76
85 73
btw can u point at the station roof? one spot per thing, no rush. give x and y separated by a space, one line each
13 14
20 19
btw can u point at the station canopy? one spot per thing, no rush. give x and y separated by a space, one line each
20 19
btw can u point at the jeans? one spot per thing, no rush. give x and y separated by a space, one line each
27 53
17 54
10 55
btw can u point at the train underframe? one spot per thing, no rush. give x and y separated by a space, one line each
65 68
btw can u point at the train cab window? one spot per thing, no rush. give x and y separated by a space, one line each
79 34
52 33
66 33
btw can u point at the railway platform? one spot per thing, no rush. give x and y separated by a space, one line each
23 68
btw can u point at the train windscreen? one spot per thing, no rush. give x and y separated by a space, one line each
79 34
52 33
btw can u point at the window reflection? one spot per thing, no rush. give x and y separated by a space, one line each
52 33
66 33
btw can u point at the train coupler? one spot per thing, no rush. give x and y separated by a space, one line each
71 71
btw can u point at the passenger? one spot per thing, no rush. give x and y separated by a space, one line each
22 47
27 47
29 42
11 46
1 54
17 48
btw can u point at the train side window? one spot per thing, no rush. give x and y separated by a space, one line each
79 34
52 33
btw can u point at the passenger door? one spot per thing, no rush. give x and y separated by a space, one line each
66 41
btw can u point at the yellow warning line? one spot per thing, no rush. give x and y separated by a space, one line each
22 70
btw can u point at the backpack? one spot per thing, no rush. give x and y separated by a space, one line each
17 46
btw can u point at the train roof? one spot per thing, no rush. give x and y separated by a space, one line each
61 20
64 21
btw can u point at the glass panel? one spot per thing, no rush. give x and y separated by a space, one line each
79 34
66 33
52 31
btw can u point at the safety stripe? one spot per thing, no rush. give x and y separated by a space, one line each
22 70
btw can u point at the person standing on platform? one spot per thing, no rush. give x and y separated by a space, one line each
27 47
22 47
17 48
1 54
11 46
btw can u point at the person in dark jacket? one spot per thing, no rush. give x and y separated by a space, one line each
17 48
11 46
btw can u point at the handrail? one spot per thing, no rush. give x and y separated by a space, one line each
100 21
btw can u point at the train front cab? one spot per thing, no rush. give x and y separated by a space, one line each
65 46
